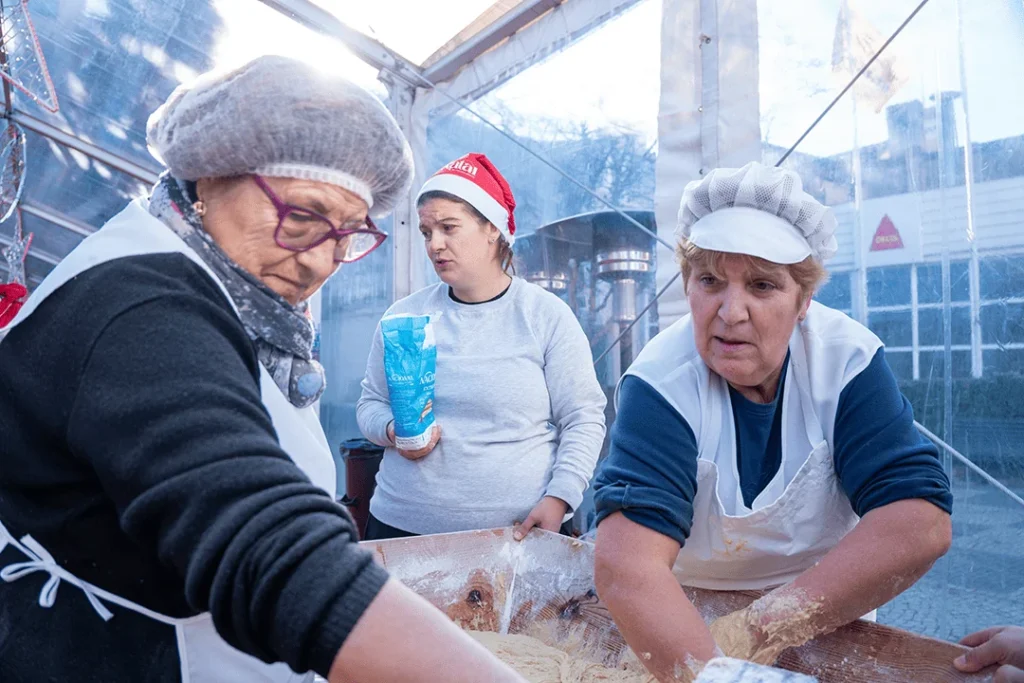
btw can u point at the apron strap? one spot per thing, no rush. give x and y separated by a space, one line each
42 561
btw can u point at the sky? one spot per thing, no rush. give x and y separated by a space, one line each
797 80
611 77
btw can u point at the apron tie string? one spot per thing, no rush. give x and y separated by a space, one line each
41 560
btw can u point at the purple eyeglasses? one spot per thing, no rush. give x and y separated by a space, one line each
302 230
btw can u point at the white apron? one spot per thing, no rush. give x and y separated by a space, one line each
803 512
204 656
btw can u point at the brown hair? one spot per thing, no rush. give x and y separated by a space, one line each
505 254
809 274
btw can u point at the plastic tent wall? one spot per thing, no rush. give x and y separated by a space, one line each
587 104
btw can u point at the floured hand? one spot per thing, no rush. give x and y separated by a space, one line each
760 632
739 638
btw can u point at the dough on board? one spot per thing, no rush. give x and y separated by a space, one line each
540 663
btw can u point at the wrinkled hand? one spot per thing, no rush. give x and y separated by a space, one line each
1002 645
416 455
547 514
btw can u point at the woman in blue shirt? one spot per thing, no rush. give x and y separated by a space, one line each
761 443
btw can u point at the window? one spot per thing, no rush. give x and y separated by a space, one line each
929 326
889 286
932 364
1004 362
902 364
1002 323
929 282
892 326
1001 277
836 293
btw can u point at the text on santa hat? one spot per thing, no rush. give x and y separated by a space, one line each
461 165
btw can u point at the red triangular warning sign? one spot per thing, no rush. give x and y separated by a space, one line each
886 236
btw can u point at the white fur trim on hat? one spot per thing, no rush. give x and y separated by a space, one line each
478 198
343 180
743 230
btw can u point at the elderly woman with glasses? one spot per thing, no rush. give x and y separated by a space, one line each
160 454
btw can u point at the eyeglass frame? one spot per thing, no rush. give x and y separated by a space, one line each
284 210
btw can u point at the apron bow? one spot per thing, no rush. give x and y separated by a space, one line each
42 561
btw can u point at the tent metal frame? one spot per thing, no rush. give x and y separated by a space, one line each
396 72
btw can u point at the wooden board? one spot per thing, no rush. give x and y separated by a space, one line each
543 587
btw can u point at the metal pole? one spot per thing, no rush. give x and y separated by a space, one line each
638 318
57 218
71 141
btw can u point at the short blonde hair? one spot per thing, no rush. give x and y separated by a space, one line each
809 274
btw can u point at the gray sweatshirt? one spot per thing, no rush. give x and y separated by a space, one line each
518 403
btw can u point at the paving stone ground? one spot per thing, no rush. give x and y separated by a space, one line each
980 582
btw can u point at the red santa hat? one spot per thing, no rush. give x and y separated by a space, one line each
474 179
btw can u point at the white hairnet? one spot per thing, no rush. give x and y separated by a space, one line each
279 117
807 227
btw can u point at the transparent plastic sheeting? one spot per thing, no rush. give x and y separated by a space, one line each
602 132
112 63
399 24
923 164
925 171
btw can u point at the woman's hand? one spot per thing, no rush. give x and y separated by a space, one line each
783 618
547 514
416 455
1003 645
403 638
736 637
739 637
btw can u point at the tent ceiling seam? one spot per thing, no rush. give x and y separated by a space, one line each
525 13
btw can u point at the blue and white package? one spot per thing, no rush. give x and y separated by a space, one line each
410 359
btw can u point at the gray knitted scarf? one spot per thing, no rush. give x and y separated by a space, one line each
282 333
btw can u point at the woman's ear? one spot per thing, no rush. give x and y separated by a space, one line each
804 305
493 234
209 189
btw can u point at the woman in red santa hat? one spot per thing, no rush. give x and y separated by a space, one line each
516 395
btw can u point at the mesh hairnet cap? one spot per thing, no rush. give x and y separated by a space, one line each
757 210
279 117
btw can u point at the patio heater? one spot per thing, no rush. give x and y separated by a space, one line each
603 266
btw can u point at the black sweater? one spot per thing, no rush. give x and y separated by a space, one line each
135 448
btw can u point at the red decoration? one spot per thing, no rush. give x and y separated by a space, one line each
12 298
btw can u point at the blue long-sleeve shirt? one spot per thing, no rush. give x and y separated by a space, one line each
650 474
